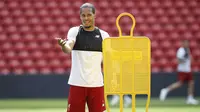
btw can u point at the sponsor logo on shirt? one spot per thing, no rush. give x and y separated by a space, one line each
97 36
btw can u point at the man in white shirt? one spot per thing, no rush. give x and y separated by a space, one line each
86 80
184 74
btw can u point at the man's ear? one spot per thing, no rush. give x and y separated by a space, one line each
94 15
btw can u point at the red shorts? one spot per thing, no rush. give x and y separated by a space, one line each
185 76
78 96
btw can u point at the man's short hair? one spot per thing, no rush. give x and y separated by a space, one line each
87 5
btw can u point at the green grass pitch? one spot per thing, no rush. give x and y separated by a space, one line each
59 105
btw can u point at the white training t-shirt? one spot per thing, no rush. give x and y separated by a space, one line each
186 65
86 65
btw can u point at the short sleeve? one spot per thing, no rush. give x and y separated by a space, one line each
72 33
104 34
180 53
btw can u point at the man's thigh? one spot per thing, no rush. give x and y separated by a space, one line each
185 76
96 102
76 99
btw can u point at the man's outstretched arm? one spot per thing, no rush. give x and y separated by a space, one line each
66 45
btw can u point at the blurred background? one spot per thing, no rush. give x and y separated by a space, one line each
32 65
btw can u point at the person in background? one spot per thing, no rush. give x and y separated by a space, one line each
184 58
115 101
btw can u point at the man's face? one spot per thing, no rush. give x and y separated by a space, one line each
87 17
185 44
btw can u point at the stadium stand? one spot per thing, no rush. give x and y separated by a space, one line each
28 29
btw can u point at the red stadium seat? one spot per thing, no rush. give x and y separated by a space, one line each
196 66
166 45
158 53
154 44
180 4
60 20
182 28
40 64
177 19
2 5
155 4
160 35
55 12
28 37
52 4
129 4
6 46
74 21
19 47
38 28
31 70
100 20
192 3
60 70
116 4
77 4
23 55
185 12
11 29
3 63
24 28
8 21
13 63
163 61
108 12
36 55
15 37
45 46
151 19
51 29
155 67
27 62
194 27
193 44
68 13
9 55
29 12
13 5
47 20
1 29
45 70
168 69
177 44
25 5
34 21
29 66
3 38
17 13
18 70
39 5
63 28
103 5
64 5
4 12
5 71
51 55
174 36
43 12
67 64
196 54
171 53
20 20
